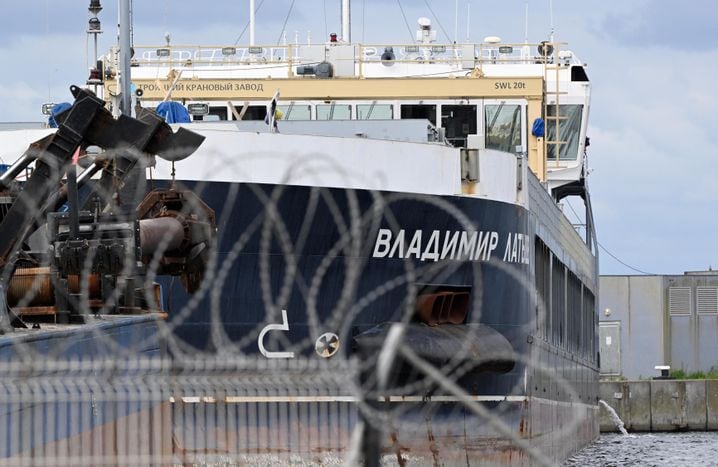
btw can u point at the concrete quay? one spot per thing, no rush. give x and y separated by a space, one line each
661 405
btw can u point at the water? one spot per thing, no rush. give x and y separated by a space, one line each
650 449
614 417
655 449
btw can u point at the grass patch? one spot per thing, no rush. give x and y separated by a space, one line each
710 374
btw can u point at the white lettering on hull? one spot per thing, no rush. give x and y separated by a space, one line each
478 245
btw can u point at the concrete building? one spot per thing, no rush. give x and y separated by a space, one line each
658 320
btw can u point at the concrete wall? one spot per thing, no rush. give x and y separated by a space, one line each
712 404
693 337
661 405
650 332
636 302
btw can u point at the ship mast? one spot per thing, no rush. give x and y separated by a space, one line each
346 21
251 22
94 28
125 55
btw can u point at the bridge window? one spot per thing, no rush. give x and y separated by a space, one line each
334 112
375 111
295 112
420 111
253 112
459 122
503 127
566 142
215 114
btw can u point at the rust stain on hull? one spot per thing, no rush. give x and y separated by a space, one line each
398 450
432 443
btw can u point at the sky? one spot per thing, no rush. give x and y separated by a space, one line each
653 66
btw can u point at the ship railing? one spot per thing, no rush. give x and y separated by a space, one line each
469 55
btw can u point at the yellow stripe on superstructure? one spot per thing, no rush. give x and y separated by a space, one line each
340 88
333 89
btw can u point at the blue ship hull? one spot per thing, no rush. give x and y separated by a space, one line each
324 256
345 262
335 275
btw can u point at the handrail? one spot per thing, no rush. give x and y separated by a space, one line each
291 55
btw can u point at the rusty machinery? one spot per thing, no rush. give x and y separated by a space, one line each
99 251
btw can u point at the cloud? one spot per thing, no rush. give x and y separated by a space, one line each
664 24
652 64
44 68
653 154
21 95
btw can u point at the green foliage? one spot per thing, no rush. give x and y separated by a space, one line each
681 374
678 374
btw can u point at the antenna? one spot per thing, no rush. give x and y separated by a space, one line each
94 28
468 21
346 21
363 19
251 22
456 21
550 8
526 23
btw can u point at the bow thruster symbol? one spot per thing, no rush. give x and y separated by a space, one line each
327 344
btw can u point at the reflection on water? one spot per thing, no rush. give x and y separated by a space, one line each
672 449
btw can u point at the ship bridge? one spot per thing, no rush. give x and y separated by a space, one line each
527 99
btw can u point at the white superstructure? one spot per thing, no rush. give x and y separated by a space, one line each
481 96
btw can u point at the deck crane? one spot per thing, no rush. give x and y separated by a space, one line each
100 247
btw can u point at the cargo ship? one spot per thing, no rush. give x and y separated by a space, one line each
396 207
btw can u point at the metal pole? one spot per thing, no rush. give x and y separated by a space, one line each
456 21
550 8
18 166
346 21
94 60
73 201
251 22
137 176
125 78
526 24
468 21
